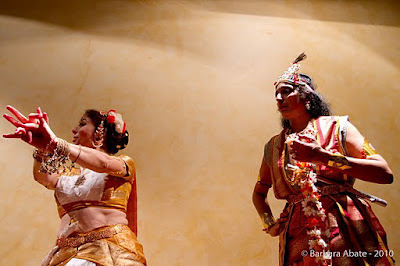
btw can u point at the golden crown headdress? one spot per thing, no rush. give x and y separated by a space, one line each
291 75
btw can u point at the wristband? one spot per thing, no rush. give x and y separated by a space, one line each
339 161
267 220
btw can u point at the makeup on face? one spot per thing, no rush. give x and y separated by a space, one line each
83 133
288 100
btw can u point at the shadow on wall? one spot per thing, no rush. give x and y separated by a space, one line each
368 12
163 22
76 14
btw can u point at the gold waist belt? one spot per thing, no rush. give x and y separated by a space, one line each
97 234
337 189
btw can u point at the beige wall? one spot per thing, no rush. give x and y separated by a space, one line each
193 80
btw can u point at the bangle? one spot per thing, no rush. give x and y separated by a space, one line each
50 143
37 155
267 220
339 161
40 155
79 153
57 160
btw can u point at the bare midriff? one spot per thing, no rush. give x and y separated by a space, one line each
89 219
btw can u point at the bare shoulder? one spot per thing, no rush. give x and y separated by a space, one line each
354 141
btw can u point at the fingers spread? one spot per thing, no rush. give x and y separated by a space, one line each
40 111
12 120
17 114
44 123
46 117
12 136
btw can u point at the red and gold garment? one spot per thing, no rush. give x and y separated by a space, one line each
119 247
351 221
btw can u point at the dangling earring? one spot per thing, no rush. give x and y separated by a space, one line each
308 106
99 136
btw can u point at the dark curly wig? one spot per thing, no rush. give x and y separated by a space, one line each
318 105
114 141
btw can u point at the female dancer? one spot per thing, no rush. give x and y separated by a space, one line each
96 201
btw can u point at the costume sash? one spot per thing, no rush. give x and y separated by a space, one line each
131 212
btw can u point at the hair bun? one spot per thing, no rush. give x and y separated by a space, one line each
115 141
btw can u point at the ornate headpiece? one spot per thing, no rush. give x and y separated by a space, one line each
291 75
115 118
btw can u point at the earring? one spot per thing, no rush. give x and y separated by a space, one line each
308 106
99 136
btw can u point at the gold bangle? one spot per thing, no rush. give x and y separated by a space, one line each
50 143
267 220
79 153
40 155
57 160
37 156
339 161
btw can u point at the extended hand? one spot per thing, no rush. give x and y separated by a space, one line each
33 130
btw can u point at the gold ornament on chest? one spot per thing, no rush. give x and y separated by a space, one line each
81 179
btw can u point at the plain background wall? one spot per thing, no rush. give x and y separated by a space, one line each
194 82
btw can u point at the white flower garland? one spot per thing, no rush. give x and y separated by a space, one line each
303 175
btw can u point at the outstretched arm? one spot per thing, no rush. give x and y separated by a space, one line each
36 132
101 162
47 180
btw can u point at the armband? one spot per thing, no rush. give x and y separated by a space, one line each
120 172
367 150
128 167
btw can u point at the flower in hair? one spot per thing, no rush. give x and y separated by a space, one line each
115 118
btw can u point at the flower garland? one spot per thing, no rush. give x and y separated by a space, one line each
304 176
